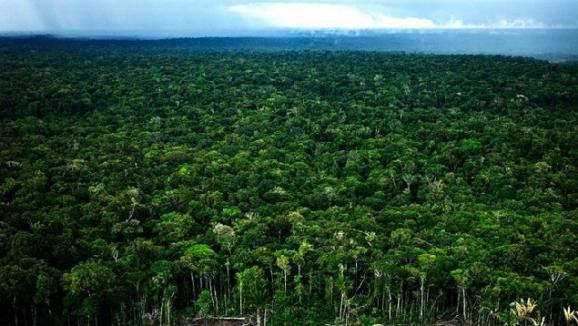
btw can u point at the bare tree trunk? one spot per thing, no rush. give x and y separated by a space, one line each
399 297
465 307
459 299
241 298
228 275
272 279
169 310
421 299
193 283
216 299
209 281
389 303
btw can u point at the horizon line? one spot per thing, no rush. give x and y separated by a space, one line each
257 33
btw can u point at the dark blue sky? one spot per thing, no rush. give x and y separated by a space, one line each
236 17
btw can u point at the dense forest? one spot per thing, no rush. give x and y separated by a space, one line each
156 185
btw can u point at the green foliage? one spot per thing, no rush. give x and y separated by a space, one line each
90 278
140 181
204 304
92 283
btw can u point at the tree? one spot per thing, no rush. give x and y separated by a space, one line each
251 286
204 305
425 262
226 239
284 264
462 279
91 282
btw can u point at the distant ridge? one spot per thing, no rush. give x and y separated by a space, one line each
552 45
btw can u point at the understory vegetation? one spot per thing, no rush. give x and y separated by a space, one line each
153 185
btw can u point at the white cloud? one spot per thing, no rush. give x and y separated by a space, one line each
501 24
316 16
342 16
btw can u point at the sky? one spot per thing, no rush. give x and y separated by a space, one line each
237 17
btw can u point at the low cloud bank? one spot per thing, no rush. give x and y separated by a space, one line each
339 16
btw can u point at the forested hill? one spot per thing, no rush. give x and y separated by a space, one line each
556 45
304 188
